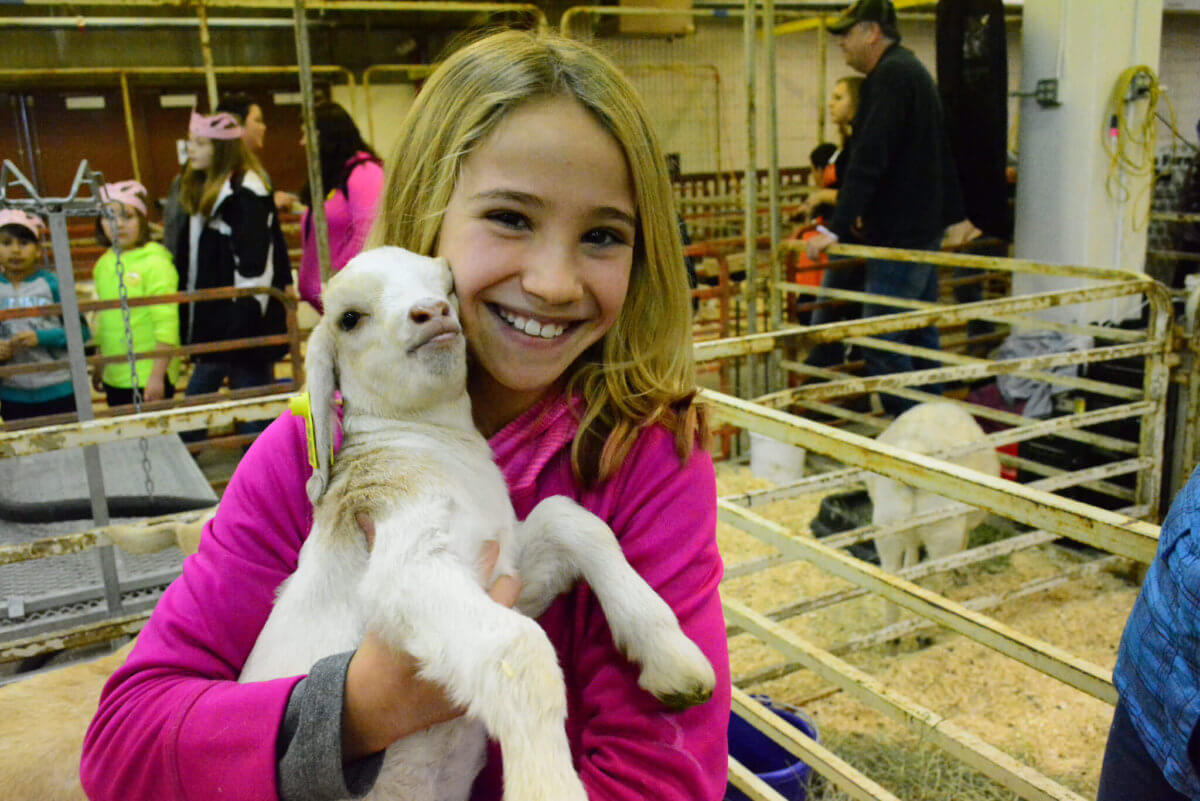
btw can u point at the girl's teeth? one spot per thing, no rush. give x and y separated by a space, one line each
532 327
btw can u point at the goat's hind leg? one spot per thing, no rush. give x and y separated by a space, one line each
559 543
493 661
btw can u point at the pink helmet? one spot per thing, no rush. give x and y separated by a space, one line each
24 219
131 193
216 126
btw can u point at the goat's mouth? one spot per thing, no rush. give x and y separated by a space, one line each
437 333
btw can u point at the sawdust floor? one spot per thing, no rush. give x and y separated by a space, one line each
1046 724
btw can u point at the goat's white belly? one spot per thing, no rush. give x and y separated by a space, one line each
316 615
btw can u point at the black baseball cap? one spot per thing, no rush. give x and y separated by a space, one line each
880 11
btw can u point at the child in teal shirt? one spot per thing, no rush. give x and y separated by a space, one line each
30 340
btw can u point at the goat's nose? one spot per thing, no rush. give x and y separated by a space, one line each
424 311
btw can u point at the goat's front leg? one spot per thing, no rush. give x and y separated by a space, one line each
560 542
423 598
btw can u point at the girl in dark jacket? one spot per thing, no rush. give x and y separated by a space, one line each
232 238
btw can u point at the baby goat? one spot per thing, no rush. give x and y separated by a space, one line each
391 342
926 429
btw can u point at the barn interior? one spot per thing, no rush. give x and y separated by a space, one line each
985 673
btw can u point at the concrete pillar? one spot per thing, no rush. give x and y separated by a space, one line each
1064 212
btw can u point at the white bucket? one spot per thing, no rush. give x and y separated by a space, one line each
775 461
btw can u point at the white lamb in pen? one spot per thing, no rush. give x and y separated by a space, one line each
391 343
927 429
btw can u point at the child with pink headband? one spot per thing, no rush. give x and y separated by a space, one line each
30 340
146 270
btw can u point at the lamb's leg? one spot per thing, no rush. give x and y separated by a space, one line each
491 660
559 543
891 502
945 537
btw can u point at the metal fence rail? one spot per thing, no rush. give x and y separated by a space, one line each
1128 473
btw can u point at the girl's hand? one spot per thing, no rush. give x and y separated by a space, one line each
154 389
961 233
98 379
822 196
385 697
23 340
285 202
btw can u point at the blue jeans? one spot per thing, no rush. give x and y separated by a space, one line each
912 281
207 376
1128 772
829 354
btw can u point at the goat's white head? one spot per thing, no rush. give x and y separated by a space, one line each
390 341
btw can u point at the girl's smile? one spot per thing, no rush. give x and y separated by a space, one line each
540 233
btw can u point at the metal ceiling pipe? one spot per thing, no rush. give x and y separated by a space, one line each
83 23
447 6
312 143
210 77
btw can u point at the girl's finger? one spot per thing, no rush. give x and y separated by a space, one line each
488 555
367 526
506 590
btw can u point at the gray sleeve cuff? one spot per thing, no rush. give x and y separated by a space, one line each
309 750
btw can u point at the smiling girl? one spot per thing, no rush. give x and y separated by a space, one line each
529 163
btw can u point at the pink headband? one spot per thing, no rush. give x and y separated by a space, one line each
22 218
217 126
131 193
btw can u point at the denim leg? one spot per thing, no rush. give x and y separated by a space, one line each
901 280
254 373
829 354
1128 771
927 337
207 377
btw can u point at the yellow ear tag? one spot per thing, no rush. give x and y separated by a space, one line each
300 405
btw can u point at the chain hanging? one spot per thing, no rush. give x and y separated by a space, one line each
144 445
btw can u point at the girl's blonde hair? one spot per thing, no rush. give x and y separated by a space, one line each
198 189
853 84
641 372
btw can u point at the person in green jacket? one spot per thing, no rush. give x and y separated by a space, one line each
147 270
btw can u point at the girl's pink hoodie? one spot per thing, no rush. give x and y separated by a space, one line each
173 723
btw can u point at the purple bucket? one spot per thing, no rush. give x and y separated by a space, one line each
762 756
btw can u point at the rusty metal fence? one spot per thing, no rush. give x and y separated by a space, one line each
1119 423
69 592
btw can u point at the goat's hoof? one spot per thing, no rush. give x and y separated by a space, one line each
681 676
692 697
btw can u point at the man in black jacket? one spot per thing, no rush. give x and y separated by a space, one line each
901 189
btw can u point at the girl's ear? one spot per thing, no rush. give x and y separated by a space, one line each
321 369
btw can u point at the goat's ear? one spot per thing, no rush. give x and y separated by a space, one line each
321 368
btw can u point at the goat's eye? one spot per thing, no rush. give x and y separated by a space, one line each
349 320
